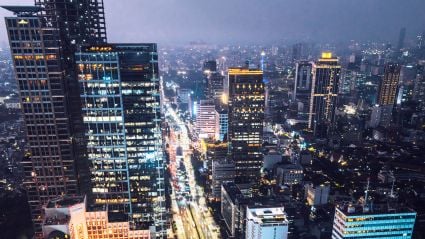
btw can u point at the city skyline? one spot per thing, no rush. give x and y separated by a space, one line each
222 22
246 135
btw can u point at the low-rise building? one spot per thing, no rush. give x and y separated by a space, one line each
67 217
289 174
317 195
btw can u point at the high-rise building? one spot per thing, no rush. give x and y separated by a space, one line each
380 221
43 40
246 115
389 84
387 94
419 86
298 52
209 66
222 121
266 223
233 210
401 38
206 119
223 171
216 152
215 86
121 112
324 94
302 87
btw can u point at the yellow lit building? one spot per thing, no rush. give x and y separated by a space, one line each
245 123
67 218
326 73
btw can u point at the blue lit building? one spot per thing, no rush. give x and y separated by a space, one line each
381 221
121 112
222 118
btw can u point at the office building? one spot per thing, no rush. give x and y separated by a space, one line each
317 195
209 66
222 123
401 38
223 171
302 88
215 86
214 81
289 174
324 94
380 221
121 112
419 85
246 115
233 209
387 94
216 152
43 39
67 217
206 119
266 223
389 85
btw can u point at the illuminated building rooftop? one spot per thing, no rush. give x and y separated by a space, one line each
359 209
267 215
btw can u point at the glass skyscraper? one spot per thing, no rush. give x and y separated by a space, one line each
121 112
324 92
43 39
245 123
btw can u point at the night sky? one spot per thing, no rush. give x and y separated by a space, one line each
255 21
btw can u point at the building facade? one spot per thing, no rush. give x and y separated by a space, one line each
317 195
324 94
206 119
246 115
43 40
302 88
121 112
388 88
222 123
377 222
266 223
67 217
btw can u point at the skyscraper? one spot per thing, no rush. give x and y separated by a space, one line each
206 119
389 84
50 170
419 87
121 112
246 115
401 38
387 94
302 87
43 39
324 93
215 86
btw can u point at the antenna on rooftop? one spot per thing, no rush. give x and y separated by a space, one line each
365 206
392 190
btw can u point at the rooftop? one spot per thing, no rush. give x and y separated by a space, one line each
359 209
23 10
267 214
63 202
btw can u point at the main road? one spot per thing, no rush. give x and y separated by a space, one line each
192 214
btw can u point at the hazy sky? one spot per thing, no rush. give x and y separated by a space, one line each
251 21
